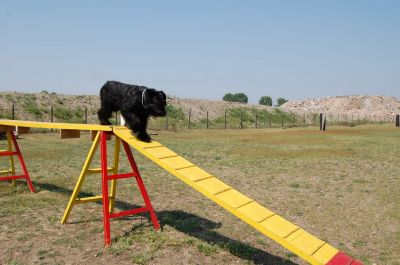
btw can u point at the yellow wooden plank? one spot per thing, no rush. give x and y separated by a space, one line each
55 125
161 152
176 162
194 173
305 241
5 172
279 226
325 254
255 211
213 185
233 198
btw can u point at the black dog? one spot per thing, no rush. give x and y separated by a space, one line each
136 104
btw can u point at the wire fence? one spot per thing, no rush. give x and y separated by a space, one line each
236 118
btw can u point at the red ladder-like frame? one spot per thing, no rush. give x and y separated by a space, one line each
17 152
105 178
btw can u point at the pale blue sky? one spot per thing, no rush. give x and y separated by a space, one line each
203 49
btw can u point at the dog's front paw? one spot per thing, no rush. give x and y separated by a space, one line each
144 137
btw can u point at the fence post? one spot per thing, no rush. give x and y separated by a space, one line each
397 120
52 116
282 120
13 112
270 118
86 115
190 114
225 120
241 120
207 120
256 120
322 122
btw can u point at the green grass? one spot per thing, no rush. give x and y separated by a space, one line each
341 185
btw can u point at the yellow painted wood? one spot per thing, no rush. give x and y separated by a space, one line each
234 198
325 253
213 185
97 170
117 146
55 125
256 212
305 241
86 171
176 162
289 235
89 199
12 164
194 173
5 172
81 179
279 226
161 152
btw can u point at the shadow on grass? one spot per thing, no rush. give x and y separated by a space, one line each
192 225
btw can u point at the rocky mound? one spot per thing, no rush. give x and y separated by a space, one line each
364 106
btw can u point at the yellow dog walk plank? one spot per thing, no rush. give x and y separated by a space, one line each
55 125
297 240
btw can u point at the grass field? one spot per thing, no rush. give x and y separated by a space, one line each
342 185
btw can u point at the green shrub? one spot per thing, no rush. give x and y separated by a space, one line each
265 100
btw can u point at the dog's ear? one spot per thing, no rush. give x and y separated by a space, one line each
149 95
162 95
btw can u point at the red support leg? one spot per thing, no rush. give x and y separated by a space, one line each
21 161
104 187
141 186
105 196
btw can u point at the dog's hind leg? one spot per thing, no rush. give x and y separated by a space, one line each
137 125
104 115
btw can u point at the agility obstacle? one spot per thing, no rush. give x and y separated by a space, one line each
287 234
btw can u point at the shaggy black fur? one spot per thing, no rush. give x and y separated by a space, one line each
135 106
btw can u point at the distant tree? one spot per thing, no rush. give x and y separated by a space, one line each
238 97
242 98
265 100
281 101
228 97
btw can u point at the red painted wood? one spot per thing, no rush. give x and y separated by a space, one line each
342 259
21 161
13 177
7 153
104 187
105 196
121 176
129 212
140 183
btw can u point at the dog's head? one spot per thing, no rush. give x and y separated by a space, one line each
155 102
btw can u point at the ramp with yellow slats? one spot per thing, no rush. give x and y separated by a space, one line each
289 235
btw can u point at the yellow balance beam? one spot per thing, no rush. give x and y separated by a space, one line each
289 235
55 125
